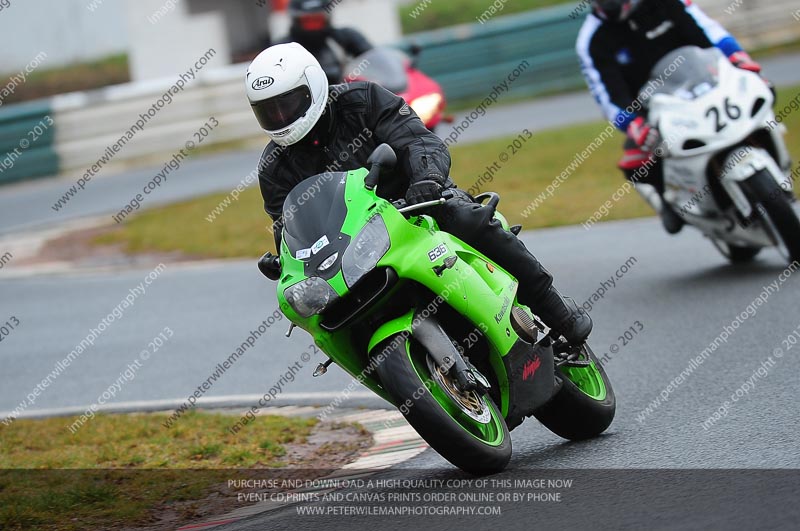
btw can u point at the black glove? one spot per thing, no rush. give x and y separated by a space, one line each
270 266
423 191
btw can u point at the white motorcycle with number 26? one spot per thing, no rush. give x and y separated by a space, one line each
727 171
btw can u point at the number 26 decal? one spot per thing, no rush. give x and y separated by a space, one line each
732 111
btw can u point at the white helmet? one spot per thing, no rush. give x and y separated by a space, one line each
288 92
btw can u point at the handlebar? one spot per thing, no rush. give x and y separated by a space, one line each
420 206
447 195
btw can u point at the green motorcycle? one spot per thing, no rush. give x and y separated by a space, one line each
428 323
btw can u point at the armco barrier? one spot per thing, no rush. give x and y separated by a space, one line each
468 60
27 143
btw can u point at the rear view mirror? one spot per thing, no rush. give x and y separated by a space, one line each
414 50
383 158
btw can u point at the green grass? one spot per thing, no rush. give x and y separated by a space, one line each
241 231
778 49
44 82
113 470
438 14
197 440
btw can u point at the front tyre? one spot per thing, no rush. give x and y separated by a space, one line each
466 429
585 405
737 254
773 208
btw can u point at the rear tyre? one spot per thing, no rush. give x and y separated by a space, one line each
584 406
776 212
466 429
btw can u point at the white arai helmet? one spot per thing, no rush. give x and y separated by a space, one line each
288 92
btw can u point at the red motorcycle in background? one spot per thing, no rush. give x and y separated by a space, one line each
395 71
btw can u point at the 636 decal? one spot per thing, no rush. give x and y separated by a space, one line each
437 252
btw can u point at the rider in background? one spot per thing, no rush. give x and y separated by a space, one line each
619 44
311 28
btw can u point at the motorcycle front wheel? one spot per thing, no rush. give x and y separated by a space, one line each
737 254
464 428
774 210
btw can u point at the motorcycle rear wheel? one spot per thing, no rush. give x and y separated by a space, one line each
466 429
584 406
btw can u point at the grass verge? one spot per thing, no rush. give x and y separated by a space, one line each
42 83
241 230
116 469
422 15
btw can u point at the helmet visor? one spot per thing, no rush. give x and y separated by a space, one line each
281 111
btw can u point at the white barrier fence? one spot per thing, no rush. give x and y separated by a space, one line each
757 23
89 123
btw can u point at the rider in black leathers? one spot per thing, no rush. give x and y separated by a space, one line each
374 115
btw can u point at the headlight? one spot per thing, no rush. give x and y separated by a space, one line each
426 107
310 296
364 252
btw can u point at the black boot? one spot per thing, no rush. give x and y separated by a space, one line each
564 316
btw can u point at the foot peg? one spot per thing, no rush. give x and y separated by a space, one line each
567 355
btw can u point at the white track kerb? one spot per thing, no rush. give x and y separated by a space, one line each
394 442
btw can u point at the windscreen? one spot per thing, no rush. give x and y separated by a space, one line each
313 214
384 66
687 72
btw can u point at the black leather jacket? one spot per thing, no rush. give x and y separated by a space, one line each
359 117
